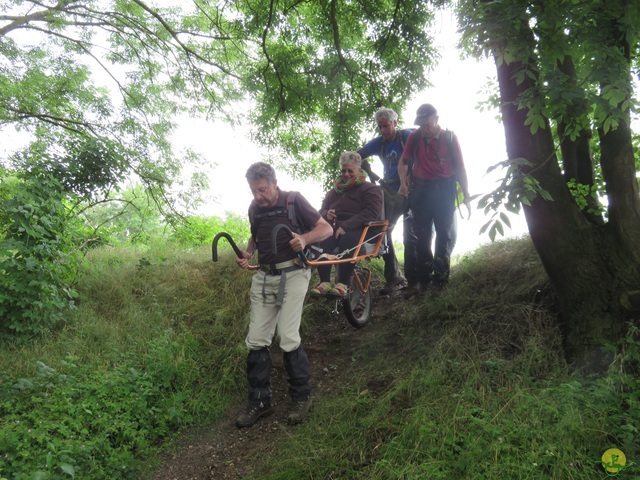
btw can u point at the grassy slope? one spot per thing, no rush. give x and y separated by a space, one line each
476 388
471 384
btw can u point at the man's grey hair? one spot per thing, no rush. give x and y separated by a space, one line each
386 113
350 157
261 171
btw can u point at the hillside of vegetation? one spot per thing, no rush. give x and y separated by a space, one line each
147 376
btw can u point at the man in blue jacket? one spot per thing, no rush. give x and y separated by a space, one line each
388 147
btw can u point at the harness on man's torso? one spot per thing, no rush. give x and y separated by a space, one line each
290 213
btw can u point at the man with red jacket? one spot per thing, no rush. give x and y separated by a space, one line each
430 166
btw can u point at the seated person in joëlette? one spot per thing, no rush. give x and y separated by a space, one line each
351 204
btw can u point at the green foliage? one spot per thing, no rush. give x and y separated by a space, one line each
197 231
132 217
470 384
154 345
62 69
83 422
314 72
86 167
577 59
623 381
326 67
516 188
584 195
37 262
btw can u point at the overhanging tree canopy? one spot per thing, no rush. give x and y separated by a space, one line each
313 73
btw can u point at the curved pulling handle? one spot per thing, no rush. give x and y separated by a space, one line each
214 245
274 235
274 240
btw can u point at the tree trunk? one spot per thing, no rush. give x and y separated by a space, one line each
595 268
577 160
589 265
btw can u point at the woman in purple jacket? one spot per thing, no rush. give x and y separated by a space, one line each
348 207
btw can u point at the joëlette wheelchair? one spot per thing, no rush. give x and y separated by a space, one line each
357 304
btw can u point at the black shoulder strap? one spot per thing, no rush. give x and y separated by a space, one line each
448 135
252 215
399 136
401 139
289 210
290 205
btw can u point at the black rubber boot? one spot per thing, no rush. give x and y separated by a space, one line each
259 376
298 369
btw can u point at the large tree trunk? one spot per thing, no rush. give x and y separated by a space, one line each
577 160
594 268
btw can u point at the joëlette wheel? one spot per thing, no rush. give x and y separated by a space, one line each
357 305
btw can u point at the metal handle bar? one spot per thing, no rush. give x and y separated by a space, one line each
383 224
214 245
274 235
274 241
214 248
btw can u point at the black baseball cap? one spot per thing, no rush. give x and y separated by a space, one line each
425 110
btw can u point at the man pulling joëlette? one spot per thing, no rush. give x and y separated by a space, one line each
277 293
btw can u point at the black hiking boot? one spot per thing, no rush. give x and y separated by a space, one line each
298 411
254 412
410 292
391 285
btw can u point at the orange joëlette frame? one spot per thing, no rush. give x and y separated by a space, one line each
356 257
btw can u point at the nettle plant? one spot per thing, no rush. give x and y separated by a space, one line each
37 262
78 421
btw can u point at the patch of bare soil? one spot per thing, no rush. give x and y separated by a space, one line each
222 451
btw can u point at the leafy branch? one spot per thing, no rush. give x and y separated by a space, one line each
517 188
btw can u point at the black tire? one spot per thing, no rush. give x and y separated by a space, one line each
357 305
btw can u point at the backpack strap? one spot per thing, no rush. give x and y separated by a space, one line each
289 210
448 136
455 162
401 139
399 136
292 214
252 218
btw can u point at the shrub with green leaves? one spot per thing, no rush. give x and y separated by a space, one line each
36 253
623 381
82 422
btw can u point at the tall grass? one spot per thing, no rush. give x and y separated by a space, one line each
154 344
468 384
474 386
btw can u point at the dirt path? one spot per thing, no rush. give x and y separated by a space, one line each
222 451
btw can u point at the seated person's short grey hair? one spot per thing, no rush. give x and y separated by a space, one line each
350 157
261 171
386 113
